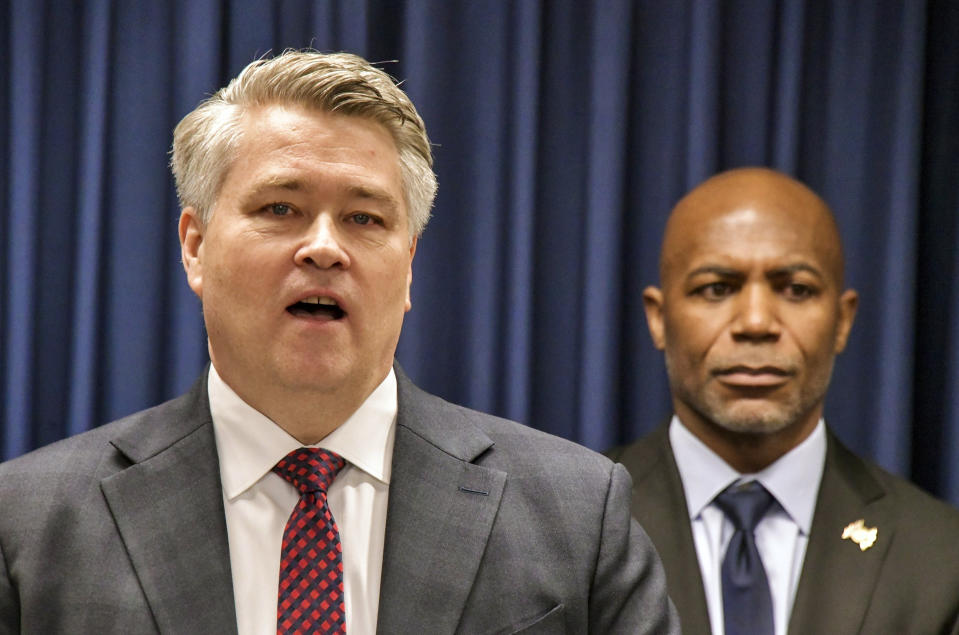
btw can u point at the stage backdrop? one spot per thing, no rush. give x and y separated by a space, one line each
564 132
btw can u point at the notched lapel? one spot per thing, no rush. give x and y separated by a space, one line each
441 512
659 504
168 508
838 577
440 515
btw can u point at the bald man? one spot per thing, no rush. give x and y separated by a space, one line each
765 522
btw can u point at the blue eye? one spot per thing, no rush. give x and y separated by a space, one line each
280 209
362 219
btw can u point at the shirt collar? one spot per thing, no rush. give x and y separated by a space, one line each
793 479
249 444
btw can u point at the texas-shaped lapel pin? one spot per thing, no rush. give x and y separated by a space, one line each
863 536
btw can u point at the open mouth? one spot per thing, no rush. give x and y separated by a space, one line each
317 307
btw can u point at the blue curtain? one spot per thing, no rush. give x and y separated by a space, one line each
564 130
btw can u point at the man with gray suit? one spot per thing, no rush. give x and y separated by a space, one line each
765 522
304 484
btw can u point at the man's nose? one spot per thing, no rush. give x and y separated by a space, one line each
756 317
322 245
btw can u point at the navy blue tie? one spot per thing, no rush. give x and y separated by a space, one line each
747 603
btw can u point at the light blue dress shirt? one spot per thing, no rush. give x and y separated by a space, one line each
781 535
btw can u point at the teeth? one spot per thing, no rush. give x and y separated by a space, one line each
319 300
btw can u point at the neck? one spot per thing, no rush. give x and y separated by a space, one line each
307 415
311 421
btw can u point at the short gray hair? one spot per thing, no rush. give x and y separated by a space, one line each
205 141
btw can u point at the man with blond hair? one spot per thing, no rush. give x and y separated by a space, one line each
304 484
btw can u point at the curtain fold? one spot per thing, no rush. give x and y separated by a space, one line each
88 262
564 132
24 124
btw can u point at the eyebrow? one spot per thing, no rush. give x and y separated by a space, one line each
723 272
796 268
294 185
276 183
728 272
374 194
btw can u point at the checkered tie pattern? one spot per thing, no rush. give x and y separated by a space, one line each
310 596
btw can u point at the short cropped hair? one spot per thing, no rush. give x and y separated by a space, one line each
205 141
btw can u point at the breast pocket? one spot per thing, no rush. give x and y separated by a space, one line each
552 621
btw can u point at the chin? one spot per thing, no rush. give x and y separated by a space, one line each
753 426
752 420
306 374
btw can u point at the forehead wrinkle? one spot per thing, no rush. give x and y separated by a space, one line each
769 194
296 147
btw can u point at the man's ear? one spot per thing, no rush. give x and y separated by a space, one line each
848 303
653 304
191 231
409 273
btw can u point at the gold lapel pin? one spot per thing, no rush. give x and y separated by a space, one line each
863 536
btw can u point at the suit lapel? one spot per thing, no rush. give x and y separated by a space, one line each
838 578
659 504
440 514
168 508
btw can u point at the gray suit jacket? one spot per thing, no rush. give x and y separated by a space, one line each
906 583
492 527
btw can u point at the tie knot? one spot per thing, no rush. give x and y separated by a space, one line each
745 504
310 469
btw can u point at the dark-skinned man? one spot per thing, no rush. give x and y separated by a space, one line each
765 522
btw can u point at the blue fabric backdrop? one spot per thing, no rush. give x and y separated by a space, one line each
565 131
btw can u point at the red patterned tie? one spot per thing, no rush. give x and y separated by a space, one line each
311 563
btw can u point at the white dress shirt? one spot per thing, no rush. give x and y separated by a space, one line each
781 536
258 502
